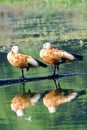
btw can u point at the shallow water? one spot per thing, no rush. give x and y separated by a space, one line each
71 115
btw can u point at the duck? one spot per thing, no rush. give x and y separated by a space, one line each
54 98
23 100
56 57
20 60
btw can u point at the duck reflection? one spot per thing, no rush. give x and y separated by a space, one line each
51 99
24 100
54 98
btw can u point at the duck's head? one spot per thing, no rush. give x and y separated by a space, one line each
15 49
47 45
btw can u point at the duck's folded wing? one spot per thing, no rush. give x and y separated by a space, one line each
34 62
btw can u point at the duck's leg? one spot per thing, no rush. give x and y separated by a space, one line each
23 85
55 74
56 70
22 73
57 84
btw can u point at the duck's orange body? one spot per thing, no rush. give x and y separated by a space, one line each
55 56
57 97
51 56
22 61
22 101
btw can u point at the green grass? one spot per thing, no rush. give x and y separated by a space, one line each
69 2
39 7
42 3
32 20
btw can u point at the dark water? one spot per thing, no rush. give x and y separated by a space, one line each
71 115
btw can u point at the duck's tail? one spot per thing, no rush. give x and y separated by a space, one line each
82 92
70 57
41 63
34 62
78 57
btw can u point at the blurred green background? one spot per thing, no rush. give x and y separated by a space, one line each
15 13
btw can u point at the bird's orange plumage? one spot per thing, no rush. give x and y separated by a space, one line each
22 101
56 56
21 60
51 56
57 97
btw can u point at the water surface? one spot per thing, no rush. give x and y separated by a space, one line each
72 115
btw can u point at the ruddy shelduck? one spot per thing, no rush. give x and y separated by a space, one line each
21 60
22 101
57 57
54 98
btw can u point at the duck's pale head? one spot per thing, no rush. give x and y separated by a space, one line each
15 49
47 45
